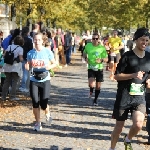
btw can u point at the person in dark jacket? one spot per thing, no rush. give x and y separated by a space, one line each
28 45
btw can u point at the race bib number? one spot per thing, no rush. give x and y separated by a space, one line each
36 63
137 89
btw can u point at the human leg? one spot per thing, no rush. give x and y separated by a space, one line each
35 100
15 79
138 115
44 97
138 119
67 56
6 85
25 76
116 133
99 79
111 67
91 81
148 121
70 48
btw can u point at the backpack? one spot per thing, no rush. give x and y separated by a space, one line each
9 56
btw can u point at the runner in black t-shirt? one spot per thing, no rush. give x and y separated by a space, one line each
132 74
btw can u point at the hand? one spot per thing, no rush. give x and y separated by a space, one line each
99 60
138 75
86 59
148 83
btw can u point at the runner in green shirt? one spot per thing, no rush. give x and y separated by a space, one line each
95 54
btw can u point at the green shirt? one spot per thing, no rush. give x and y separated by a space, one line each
95 52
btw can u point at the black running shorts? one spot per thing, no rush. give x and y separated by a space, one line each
126 103
98 75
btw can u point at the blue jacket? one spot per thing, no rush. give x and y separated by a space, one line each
5 42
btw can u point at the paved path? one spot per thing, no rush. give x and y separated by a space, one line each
77 125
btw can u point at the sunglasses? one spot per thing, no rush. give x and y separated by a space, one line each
94 38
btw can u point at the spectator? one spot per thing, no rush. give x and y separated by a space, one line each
5 42
13 72
68 47
16 32
36 28
130 44
28 45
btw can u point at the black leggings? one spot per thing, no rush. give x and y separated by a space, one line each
42 90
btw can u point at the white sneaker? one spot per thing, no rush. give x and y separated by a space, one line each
37 127
25 90
15 99
90 95
9 90
95 104
21 89
66 65
48 119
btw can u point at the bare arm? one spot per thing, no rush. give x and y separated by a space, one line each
28 65
122 76
52 64
105 60
21 58
121 46
148 84
84 55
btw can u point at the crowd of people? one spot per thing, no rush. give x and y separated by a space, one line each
27 60
28 57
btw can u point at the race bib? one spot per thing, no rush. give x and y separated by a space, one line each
137 89
112 54
37 63
94 68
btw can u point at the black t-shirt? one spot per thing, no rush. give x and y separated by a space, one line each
131 63
128 64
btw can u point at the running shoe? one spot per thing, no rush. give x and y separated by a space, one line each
128 145
15 99
48 119
90 95
37 127
95 103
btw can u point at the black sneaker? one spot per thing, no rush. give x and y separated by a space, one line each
128 145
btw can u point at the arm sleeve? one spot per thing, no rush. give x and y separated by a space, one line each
28 56
51 55
8 48
20 51
121 65
104 54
